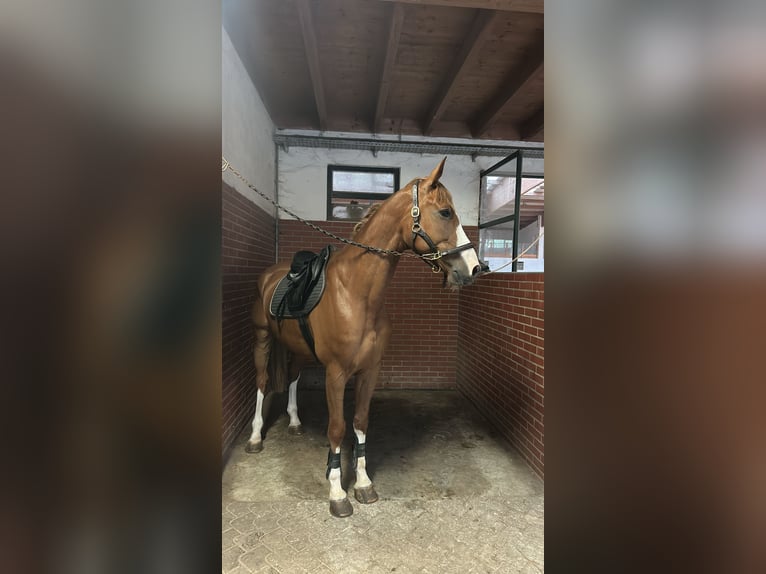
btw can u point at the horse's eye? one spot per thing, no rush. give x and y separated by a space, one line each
446 213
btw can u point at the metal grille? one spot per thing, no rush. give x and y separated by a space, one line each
377 145
534 153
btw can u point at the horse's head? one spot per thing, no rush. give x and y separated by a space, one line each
436 230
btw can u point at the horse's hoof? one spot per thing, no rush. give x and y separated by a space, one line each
253 447
296 430
366 495
341 508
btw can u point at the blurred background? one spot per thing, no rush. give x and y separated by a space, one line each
110 300
110 226
656 299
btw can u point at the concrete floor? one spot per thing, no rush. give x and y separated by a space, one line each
454 497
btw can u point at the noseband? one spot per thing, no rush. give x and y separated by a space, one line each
417 231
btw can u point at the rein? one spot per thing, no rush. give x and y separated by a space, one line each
430 258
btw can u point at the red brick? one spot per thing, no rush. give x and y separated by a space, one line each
247 241
501 366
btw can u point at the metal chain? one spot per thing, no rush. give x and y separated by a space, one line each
225 165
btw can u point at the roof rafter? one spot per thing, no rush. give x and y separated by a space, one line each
519 77
394 32
533 124
531 6
312 57
480 28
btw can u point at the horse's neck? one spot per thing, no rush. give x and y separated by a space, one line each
367 273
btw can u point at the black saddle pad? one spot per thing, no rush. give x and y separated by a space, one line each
311 269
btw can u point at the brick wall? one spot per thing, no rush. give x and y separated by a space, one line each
247 248
487 339
421 354
500 357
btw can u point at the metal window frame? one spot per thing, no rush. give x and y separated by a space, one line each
518 155
331 193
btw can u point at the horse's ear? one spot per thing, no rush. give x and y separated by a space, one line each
433 178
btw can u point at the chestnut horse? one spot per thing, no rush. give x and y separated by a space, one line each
349 324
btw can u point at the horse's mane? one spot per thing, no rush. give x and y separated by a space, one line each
370 212
442 195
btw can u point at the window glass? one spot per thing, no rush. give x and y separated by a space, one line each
498 217
353 190
357 181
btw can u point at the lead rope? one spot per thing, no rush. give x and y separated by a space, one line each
225 165
531 245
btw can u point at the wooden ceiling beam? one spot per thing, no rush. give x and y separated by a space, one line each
531 6
533 62
480 28
392 45
533 124
312 57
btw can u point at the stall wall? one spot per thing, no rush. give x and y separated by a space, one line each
246 131
500 357
248 234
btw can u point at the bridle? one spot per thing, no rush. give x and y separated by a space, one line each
434 255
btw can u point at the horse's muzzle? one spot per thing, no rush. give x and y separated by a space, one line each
463 280
480 269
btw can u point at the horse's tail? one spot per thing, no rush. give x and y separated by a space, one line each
278 356
277 365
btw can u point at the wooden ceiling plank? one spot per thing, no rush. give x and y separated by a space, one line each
530 6
472 43
394 33
312 57
533 62
533 124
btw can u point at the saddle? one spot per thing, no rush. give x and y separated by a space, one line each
299 291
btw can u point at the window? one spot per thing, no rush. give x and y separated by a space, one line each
351 190
512 212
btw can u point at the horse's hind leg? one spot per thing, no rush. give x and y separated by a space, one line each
261 352
292 402
364 491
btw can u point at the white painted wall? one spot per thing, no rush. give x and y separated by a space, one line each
303 177
246 129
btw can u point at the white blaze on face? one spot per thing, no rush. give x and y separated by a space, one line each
469 257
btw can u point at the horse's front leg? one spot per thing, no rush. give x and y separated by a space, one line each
364 491
335 384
